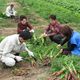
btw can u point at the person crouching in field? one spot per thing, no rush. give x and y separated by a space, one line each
12 45
10 11
24 25
53 30
73 39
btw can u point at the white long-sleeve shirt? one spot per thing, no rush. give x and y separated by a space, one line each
12 45
10 11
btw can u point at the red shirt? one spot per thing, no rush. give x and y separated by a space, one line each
21 27
53 28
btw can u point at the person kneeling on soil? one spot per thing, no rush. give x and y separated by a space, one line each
10 11
53 30
24 24
11 46
73 39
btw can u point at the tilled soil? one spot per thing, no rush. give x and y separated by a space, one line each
24 71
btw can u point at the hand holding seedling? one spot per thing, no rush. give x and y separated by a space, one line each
44 35
59 46
61 50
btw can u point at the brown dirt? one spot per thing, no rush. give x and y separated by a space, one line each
7 31
34 73
20 72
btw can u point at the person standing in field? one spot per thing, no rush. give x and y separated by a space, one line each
24 25
53 30
73 41
12 45
10 11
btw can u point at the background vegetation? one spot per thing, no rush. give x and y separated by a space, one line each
67 12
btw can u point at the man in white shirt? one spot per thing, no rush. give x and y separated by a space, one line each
14 44
10 12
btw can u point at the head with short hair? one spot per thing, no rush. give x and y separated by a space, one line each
53 17
66 31
23 19
12 5
24 35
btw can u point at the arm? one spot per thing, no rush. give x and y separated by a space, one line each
14 11
51 34
7 10
55 30
18 28
64 41
47 29
27 50
30 27
46 32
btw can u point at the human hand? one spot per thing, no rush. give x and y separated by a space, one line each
58 46
61 51
32 30
44 35
18 58
30 53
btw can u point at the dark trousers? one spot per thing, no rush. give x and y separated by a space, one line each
56 38
66 52
17 54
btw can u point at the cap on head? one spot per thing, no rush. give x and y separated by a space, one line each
25 35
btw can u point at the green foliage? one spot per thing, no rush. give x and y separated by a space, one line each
3 16
48 49
1 38
42 48
3 5
67 62
23 54
66 10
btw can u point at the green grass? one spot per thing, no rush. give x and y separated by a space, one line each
2 5
6 23
3 21
44 8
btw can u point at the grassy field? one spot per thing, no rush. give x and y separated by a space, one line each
67 11
38 12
